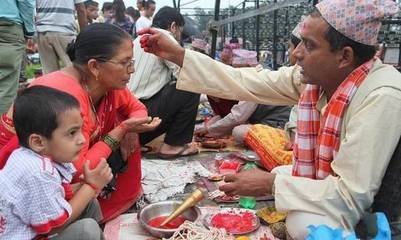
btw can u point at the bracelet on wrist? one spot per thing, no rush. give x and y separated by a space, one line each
93 186
111 142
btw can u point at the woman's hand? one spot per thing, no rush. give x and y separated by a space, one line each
129 144
161 45
140 125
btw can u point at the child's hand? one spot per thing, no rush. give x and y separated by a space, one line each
99 176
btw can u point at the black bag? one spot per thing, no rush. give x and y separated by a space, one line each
117 165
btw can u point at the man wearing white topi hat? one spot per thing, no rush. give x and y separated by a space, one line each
348 119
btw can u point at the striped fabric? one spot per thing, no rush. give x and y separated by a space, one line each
56 16
318 138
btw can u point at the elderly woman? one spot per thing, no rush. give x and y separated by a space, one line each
112 117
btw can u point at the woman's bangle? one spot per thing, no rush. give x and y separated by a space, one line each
111 142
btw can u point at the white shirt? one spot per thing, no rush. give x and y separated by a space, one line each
142 22
151 72
32 197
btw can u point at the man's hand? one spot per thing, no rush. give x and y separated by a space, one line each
140 125
155 42
253 182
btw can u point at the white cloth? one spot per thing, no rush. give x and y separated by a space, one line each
240 113
31 194
151 73
162 179
142 22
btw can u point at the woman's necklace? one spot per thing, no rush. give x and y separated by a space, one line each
92 105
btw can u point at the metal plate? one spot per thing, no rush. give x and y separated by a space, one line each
207 220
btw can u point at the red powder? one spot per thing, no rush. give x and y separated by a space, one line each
175 223
234 222
229 167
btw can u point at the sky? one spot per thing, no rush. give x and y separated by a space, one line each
195 3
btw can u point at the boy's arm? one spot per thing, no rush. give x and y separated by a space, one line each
94 181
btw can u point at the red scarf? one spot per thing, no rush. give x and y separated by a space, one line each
318 138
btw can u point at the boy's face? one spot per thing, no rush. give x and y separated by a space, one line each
67 140
92 12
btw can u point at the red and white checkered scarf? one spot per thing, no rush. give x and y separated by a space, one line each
318 138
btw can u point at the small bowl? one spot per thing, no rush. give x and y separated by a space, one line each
164 209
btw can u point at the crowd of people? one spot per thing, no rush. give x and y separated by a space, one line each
70 144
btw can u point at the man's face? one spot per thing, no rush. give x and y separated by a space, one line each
313 54
92 12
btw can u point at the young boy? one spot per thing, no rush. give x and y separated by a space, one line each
36 198
92 10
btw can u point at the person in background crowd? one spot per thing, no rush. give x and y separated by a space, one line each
107 12
349 105
145 20
139 6
119 17
154 84
37 199
16 28
92 10
134 14
55 24
112 116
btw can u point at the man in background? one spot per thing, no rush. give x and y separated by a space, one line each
55 24
16 26
153 83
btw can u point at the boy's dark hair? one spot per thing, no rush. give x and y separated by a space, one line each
146 4
36 110
89 3
98 41
338 41
107 6
166 16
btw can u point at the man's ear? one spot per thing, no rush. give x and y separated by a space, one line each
346 57
173 27
37 142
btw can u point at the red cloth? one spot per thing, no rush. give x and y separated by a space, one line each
116 104
220 106
318 138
